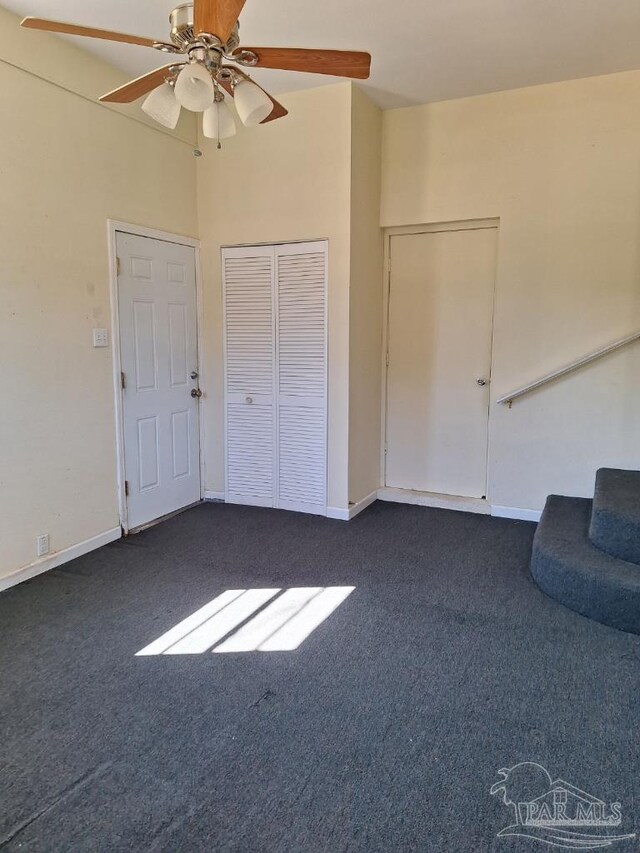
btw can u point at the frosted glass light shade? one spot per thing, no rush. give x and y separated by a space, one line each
252 104
161 105
217 122
194 87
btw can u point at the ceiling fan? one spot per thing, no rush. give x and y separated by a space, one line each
205 32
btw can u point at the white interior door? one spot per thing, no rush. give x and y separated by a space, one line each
159 356
439 345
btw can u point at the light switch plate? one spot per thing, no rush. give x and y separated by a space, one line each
101 337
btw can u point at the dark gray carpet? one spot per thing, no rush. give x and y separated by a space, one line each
383 732
615 522
572 570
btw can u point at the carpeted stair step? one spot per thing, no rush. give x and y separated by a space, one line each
570 568
615 519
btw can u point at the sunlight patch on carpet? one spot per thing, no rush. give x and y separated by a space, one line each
251 620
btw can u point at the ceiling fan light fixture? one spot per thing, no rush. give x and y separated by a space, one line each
206 33
217 122
252 104
194 87
162 106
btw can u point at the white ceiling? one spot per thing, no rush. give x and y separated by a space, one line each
423 50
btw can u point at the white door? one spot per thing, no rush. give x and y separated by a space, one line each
439 346
159 356
275 375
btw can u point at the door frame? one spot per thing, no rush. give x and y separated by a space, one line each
115 226
428 228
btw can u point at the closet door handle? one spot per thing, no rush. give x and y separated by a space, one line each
249 400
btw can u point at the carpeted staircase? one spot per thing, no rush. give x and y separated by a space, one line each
586 554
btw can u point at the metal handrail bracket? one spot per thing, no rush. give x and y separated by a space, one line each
550 377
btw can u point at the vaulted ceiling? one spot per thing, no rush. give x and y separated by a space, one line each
423 50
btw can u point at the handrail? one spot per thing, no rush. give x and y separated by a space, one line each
587 359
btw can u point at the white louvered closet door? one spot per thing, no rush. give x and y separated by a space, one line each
248 275
275 375
301 376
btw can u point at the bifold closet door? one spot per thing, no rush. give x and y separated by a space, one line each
249 326
301 347
276 375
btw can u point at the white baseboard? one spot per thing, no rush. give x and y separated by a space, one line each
515 512
331 512
51 561
338 513
408 496
212 496
358 506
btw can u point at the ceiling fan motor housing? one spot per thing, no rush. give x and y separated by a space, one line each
181 20
183 34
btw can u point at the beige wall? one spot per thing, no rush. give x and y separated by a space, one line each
67 164
559 165
288 180
365 299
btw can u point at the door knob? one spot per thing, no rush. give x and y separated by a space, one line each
481 381
249 400
196 392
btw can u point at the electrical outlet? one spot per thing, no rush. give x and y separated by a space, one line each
42 544
101 337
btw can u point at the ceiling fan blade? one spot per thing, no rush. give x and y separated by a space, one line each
278 110
340 63
138 87
90 32
217 17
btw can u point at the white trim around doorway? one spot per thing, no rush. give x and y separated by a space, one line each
481 506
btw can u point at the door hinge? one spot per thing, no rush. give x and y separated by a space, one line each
388 264
123 380
387 358
126 488
117 266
